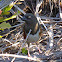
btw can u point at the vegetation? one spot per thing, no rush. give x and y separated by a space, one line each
49 16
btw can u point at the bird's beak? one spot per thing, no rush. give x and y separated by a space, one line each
24 18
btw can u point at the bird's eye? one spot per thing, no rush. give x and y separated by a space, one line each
29 16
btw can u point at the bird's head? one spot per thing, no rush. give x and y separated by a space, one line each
31 22
29 17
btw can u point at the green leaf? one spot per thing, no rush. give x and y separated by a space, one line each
5 25
18 12
1 36
8 8
24 51
5 13
0 0
1 19
1 29
14 16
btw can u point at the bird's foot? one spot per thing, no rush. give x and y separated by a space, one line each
28 52
29 55
39 51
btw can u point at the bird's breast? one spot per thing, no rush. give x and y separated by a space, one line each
33 38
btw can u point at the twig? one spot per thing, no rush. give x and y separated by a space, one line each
51 7
25 3
22 44
38 4
52 22
13 30
43 39
7 41
59 40
51 37
59 7
37 15
52 56
19 56
39 19
18 25
49 18
6 3
32 6
19 9
13 45
25 40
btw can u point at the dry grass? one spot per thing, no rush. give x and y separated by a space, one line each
51 42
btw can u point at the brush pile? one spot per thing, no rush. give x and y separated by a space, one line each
49 15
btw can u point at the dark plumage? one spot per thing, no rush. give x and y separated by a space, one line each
31 23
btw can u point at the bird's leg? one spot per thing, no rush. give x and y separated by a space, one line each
39 49
28 50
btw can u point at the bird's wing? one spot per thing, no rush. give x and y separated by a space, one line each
24 34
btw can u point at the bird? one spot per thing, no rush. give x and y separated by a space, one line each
31 22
